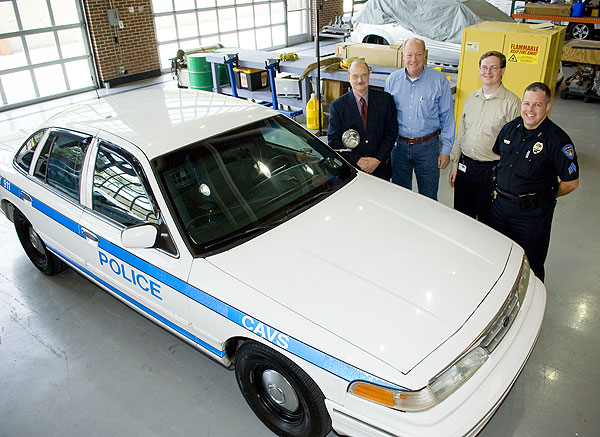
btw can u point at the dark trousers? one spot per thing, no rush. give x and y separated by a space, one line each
473 189
530 228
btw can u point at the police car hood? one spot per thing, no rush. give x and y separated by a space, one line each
392 272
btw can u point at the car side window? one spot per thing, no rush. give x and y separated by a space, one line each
60 162
120 193
23 158
118 190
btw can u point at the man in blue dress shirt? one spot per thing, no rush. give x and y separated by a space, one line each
425 121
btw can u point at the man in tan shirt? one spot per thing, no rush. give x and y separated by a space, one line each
485 112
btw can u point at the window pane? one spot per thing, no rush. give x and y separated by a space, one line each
294 4
23 158
8 23
11 53
262 15
230 40
50 80
245 17
225 2
71 43
247 40
227 20
33 13
277 13
165 28
18 87
278 35
263 38
208 22
241 2
118 191
42 47
65 162
162 5
189 44
205 3
64 12
186 25
166 51
210 40
183 5
295 23
78 74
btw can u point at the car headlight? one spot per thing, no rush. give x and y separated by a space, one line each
455 375
436 391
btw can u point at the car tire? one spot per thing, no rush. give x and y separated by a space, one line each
34 247
580 30
280 393
376 39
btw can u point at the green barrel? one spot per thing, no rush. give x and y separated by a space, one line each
222 68
199 72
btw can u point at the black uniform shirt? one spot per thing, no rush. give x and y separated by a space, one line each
531 160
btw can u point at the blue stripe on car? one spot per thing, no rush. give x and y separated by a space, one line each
294 346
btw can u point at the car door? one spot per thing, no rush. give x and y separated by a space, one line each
120 196
51 192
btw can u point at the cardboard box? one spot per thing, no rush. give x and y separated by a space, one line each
341 49
288 86
332 89
548 9
376 54
250 78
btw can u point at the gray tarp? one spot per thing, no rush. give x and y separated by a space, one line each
441 20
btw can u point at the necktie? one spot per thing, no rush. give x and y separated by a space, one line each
363 112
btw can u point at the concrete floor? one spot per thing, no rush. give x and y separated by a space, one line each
75 361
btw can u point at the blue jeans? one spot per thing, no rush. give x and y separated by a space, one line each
423 159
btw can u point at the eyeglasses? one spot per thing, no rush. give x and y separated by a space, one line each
492 69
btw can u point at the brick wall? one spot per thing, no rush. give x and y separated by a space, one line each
133 47
331 9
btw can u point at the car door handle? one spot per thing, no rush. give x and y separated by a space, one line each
26 197
89 235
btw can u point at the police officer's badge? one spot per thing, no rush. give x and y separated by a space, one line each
537 148
569 151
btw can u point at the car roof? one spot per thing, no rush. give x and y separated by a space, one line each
161 120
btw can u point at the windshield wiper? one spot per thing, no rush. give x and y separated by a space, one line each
259 229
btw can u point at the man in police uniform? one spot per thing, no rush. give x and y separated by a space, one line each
537 164
472 161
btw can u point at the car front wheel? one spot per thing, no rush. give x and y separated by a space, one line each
35 248
280 393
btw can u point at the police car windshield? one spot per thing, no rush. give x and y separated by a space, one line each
228 188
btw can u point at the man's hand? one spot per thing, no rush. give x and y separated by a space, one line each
368 165
452 177
443 161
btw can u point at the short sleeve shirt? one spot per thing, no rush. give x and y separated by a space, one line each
531 161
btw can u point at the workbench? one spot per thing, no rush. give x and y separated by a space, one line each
257 58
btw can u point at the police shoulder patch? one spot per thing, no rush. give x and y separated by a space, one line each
569 151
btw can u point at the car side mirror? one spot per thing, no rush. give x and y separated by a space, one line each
140 237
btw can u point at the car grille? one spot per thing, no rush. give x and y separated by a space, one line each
495 332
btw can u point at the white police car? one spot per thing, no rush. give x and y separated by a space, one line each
341 300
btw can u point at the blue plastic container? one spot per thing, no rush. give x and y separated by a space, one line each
578 9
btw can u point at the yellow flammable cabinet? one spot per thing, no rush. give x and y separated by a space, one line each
532 55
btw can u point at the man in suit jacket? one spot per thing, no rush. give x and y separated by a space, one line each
372 114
